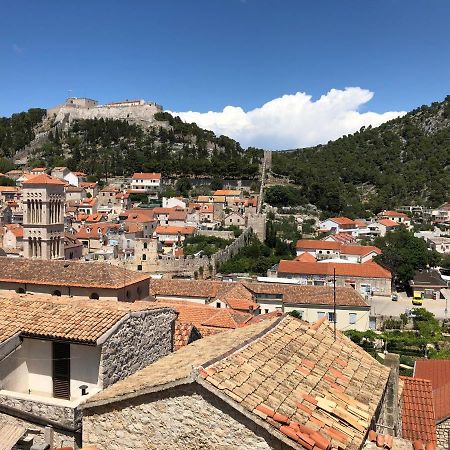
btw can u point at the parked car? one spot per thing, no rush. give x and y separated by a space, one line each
417 299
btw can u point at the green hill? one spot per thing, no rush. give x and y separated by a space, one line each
404 161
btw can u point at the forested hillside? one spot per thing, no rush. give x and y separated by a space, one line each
17 131
404 161
112 147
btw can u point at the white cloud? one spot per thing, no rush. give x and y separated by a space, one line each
293 120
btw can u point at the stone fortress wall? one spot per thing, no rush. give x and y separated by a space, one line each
133 111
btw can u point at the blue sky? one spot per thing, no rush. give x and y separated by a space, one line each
203 55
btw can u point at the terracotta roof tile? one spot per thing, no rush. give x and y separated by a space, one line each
173 230
257 368
146 176
67 273
43 179
68 319
369 269
418 419
438 372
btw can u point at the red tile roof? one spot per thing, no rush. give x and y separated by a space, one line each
43 179
172 230
388 223
15 229
393 214
418 418
342 221
360 250
306 257
368 269
438 372
146 176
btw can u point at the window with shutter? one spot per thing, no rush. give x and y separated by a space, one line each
61 370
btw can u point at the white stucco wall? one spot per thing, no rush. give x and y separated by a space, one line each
84 368
29 369
310 313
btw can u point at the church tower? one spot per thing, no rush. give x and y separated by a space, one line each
43 218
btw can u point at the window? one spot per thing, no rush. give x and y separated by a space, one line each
61 370
320 314
266 311
218 305
331 317
94 296
20 291
144 257
139 267
145 244
56 293
351 318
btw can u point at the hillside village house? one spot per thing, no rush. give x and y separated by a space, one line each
278 384
235 219
399 217
336 250
146 183
169 235
310 302
338 225
13 237
313 302
440 244
56 353
366 278
63 173
383 226
72 279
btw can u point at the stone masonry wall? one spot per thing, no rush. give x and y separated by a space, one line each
66 416
140 340
184 421
443 435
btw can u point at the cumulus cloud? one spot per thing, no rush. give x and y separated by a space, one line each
293 120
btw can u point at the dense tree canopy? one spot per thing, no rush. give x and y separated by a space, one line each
17 131
404 161
403 254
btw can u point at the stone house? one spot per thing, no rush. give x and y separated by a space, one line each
13 237
73 248
63 173
383 226
95 280
366 278
336 250
313 302
146 183
437 371
338 225
75 193
235 219
90 188
56 353
277 384
169 235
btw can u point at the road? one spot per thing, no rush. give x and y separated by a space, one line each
384 306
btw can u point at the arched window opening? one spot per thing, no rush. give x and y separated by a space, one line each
94 296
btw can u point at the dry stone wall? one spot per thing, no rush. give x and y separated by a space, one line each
443 435
184 420
140 340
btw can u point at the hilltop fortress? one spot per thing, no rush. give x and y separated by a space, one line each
133 111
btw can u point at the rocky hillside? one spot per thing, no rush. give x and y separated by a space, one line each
106 147
404 161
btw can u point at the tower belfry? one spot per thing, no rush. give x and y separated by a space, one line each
43 219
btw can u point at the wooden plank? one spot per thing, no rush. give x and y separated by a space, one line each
9 435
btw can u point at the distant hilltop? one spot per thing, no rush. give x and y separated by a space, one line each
74 108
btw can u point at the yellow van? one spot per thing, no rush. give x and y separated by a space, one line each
417 299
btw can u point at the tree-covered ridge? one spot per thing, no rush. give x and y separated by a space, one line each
403 161
17 131
113 147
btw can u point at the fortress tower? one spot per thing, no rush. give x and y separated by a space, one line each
43 218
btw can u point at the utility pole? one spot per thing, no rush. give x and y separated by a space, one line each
334 301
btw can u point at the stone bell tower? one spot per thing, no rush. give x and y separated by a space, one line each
43 218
